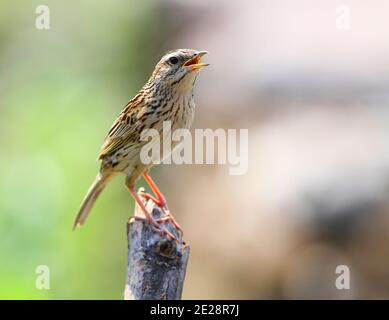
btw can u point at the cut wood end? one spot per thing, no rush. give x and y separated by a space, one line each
156 264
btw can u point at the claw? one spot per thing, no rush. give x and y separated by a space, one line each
163 231
148 196
168 215
170 218
157 227
149 218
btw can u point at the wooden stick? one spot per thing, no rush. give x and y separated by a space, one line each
156 265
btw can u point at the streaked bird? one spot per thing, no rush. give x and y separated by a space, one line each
167 96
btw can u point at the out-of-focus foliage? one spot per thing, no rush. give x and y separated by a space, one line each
60 91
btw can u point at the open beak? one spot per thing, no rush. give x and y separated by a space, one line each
195 63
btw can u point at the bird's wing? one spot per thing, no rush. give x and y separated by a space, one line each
124 128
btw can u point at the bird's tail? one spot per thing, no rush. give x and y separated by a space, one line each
95 189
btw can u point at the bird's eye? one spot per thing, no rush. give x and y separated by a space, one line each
173 60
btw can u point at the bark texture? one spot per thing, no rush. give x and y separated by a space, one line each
156 265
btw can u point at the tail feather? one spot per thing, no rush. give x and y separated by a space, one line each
90 198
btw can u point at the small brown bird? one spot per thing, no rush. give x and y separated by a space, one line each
167 96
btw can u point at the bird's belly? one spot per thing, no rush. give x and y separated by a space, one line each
129 160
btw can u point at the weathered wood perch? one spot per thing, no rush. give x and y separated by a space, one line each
156 265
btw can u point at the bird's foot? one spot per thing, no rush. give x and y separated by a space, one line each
162 204
156 226
148 218
158 202
170 218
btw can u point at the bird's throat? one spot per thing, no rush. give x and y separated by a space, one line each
185 86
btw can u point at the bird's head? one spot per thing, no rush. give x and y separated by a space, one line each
179 68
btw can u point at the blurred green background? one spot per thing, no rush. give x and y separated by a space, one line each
60 91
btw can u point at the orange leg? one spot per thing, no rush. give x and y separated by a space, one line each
148 217
160 197
160 201
148 196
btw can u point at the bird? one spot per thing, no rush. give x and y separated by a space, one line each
166 96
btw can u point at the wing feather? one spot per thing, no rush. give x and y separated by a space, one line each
124 127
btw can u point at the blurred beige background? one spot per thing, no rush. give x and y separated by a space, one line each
314 98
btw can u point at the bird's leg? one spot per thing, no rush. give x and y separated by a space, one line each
168 217
148 196
148 217
160 201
